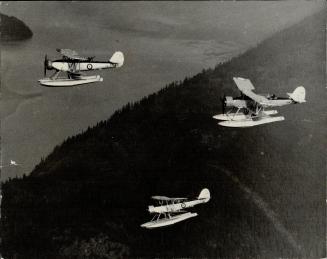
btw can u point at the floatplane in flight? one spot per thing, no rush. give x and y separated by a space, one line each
72 64
250 107
12 163
172 210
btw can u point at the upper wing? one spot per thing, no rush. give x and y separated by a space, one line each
246 87
164 198
71 54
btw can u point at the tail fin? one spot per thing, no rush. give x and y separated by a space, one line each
204 195
117 58
298 95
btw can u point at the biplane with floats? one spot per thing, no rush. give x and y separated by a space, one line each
74 65
251 107
172 210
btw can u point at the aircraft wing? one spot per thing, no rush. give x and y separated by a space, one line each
246 87
164 198
71 54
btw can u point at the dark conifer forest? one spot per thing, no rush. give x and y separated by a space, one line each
12 28
88 198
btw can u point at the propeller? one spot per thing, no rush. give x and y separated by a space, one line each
223 103
45 65
242 95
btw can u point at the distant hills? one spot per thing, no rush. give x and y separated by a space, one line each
13 29
88 198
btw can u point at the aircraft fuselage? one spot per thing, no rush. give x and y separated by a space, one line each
247 102
69 66
175 207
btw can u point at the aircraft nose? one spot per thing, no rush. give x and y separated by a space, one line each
229 101
49 64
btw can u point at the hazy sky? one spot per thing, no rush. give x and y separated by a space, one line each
162 42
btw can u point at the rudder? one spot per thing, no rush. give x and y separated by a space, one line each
298 95
204 195
117 58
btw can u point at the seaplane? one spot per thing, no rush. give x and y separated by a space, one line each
11 164
73 65
172 210
251 107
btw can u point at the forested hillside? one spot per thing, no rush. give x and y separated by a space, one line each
12 28
88 198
